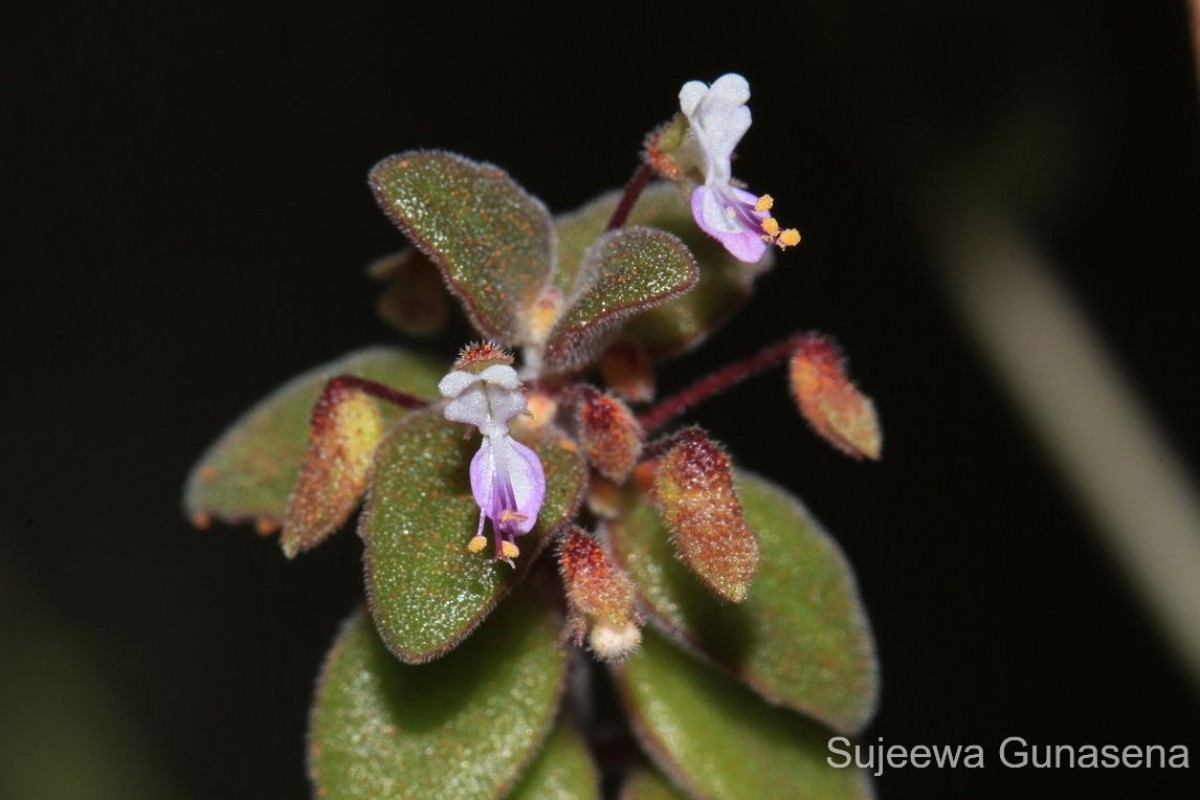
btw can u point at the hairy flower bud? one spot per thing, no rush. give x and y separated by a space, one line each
610 434
693 486
627 369
834 407
600 598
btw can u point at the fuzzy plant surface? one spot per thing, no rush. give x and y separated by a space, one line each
570 592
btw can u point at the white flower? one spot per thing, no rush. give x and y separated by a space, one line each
718 119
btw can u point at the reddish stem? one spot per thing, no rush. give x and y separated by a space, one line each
633 190
717 382
343 383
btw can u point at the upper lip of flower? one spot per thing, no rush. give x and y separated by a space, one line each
718 118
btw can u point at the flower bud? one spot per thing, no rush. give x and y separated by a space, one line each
600 598
346 428
626 368
610 434
834 407
693 487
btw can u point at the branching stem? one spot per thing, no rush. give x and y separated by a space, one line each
717 382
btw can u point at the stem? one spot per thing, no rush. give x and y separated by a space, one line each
717 382
633 190
344 383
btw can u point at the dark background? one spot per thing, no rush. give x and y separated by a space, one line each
187 226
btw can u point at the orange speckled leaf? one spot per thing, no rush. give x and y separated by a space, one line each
464 728
425 590
346 428
492 240
249 472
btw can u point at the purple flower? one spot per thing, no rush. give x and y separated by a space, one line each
507 478
718 119
509 486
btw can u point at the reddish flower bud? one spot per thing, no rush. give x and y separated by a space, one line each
610 434
346 428
834 407
626 368
600 598
694 490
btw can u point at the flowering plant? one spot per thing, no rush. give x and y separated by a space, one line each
622 556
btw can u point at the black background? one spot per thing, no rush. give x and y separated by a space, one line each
187 226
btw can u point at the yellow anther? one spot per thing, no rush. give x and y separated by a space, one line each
770 227
507 516
476 544
789 238
509 550
764 203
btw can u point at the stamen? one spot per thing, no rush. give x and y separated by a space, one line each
789 238
476 544
508 550
770 227
764 203
507 516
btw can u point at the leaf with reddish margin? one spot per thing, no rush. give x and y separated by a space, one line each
248 473
425 591
801 639
717 739
623 273
492 240
682 323
465 728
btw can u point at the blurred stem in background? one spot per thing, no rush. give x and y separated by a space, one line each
1121 468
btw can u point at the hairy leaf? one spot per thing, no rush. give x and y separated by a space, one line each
248 473
719 740
463 728
425 590
681 323
562 771
801 638
623 273
646 784
492 240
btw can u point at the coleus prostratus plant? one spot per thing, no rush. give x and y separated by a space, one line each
566 593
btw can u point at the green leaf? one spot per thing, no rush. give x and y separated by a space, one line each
681 323
562 771
425 590
646 784
800 639
492 240
248 473
624 272
463 728
718 739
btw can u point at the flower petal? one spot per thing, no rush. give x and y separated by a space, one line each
502 460
720 220
528 482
